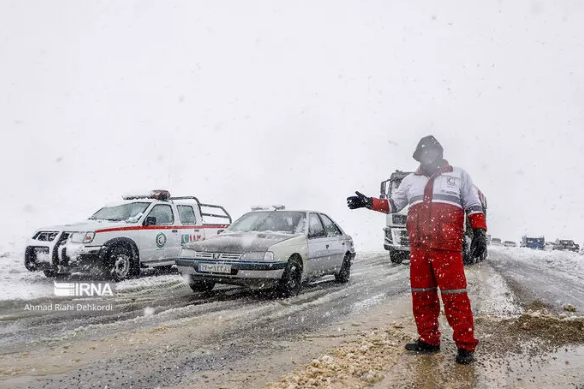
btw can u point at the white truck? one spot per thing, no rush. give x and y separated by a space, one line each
142 231
396 239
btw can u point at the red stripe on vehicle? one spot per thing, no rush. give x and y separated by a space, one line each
136 228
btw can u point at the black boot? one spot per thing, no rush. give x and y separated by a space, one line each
464 357
422 347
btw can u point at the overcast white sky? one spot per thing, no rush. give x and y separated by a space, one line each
293 102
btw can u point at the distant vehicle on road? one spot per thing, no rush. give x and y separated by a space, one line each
509 243
533 243
566 245
496 242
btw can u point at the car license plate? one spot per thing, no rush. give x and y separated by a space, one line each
212 268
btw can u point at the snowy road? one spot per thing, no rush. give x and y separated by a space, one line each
160 334
224 326
553 278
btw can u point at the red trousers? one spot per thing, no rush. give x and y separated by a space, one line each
433 269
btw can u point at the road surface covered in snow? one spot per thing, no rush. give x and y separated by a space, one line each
159 333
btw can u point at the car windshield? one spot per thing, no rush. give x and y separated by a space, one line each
277 221
130 212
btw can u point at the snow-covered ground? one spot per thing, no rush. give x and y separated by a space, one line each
569 263
20 284
16 281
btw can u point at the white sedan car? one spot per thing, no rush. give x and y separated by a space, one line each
270 249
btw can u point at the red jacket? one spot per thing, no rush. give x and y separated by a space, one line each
437 207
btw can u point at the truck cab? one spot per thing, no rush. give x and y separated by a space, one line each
142 231
396 239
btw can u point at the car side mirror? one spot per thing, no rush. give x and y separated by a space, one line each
150 221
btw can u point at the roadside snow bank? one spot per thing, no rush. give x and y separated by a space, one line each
569 263
16 281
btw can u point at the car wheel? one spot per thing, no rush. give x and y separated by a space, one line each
345 273
201 286
120 264
291 282
50 273
397 257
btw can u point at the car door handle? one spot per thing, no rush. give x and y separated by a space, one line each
327 246
174 230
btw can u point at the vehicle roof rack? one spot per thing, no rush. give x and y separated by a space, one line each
201 205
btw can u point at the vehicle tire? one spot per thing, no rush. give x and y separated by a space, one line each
121 263
397 256
291 282
50 273
345 273
201 286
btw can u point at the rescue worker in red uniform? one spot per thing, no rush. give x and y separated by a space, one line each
438 195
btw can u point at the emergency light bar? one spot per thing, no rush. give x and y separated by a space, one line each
157 194
264 208
259 208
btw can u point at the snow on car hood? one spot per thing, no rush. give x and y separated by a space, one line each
88 225
240 242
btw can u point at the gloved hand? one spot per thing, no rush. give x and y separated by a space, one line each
479 242
359 201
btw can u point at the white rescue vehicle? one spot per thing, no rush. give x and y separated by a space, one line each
142 231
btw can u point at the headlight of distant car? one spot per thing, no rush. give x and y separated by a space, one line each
258 256
82 237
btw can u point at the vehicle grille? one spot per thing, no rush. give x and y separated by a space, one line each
224 256
46 236
399 219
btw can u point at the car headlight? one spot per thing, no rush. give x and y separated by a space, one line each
82 237
258 256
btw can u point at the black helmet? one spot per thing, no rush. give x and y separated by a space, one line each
427 142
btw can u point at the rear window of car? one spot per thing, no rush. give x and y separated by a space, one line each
186 214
